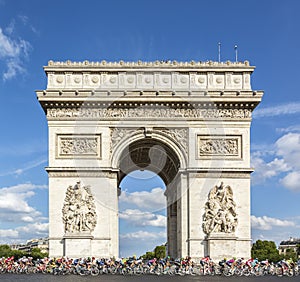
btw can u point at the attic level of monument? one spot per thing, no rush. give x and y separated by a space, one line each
71 85
149 76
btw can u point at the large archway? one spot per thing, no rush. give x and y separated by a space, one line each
154 155
142 213
151 154
189 122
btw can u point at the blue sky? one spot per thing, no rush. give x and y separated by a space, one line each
33 32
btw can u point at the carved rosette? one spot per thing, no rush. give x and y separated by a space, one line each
220 211
79 210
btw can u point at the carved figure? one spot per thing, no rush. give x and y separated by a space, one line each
220 211
79 210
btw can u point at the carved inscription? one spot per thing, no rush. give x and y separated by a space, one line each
219 146
78 145
220 211
79 210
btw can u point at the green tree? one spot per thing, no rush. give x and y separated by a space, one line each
290 254
18 254
298 251
5 251
160 251
36 253
148 255
265 250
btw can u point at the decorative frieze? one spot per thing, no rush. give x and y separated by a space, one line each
146 112
216 146
83 146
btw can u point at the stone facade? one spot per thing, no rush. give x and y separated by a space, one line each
189 122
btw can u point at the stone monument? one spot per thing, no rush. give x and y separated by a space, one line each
189 122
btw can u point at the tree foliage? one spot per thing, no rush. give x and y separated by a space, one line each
159 252
263 250
6 251
148 255
36 253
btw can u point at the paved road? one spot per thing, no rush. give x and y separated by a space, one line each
142 278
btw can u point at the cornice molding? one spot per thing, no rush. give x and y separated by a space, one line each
238 173
81 172
157 63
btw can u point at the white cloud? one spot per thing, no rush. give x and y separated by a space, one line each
153 200
15 210
292 128
139 218
8 233
290 108
26 167
288 146
13 52
35 228
14 205
23 233
266 170
292 181
140 241
11 27
267 223
14 66
286 155
144 235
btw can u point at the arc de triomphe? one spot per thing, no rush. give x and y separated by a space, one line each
189 122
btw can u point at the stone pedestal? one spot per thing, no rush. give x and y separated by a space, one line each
77 245
221 245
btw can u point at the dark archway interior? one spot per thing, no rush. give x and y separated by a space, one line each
149 154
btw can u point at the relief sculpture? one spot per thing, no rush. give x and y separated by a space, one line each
218 147
117 113
79 210
77 146
220 211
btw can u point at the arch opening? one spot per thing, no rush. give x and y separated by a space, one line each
146 158
149 154
142 213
